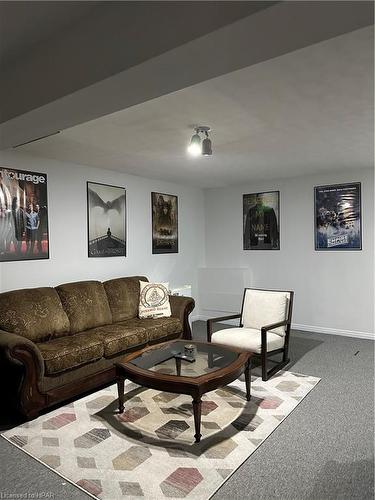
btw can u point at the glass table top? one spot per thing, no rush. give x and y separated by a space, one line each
162 359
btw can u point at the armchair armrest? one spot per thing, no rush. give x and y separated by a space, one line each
265 329
275 325
217 320
181 307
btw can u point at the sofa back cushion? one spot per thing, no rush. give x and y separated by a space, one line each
34 313
123 297
86 304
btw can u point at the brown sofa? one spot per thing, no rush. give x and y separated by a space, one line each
56 343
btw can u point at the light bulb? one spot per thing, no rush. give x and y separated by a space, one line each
195 147
206 147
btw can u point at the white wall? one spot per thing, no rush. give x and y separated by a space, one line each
68 230
334 291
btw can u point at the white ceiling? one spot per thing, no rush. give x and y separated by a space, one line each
305 112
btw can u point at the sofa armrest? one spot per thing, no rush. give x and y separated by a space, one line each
18 352
12 346
181 307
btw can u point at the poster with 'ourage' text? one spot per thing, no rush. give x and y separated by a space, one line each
23 215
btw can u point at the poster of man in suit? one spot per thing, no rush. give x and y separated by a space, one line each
261 213
23 215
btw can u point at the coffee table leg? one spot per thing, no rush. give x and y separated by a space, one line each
178 366
120 388
248 379
197 407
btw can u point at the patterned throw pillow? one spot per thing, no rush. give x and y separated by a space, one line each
154 300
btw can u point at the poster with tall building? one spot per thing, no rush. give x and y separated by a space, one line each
164 223
338 217
106 218
23 215
261 215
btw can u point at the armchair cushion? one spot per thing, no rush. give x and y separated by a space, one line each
247 339
263 307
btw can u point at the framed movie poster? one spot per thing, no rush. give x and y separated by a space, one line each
261 215
338 217
106 218
164 223
23 215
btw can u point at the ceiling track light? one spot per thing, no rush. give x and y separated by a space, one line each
198 146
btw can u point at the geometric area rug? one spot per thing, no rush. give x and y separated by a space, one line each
149 451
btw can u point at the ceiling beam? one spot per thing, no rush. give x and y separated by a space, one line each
111 37
269 33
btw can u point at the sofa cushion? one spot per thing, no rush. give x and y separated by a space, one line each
66 353
123 297
156 328
86 304
34 313
117 338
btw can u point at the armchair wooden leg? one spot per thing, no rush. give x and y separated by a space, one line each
209 330
285 356
264 365
248 379
263 354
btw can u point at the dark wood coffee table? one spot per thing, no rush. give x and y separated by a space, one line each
215 366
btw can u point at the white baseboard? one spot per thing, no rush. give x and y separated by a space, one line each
334 331
306 328
196 317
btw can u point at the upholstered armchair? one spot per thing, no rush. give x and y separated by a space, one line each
264 327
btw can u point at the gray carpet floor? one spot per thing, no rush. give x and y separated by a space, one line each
323 450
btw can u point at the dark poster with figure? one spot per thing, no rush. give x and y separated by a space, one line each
164 223
338 217
261 212
23 215
106 209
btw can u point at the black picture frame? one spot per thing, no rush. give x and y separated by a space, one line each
106 229
261 222
338 217
164 209
24 225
